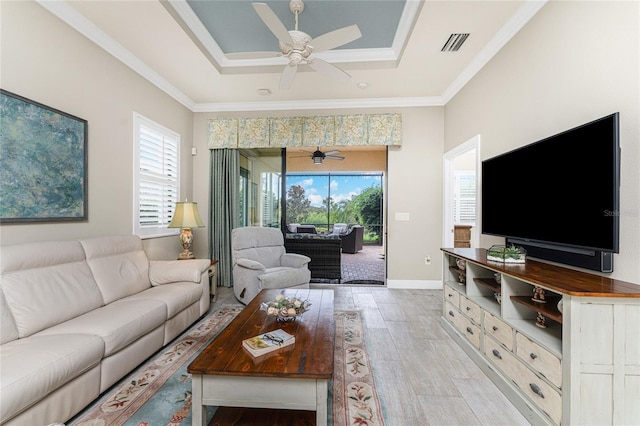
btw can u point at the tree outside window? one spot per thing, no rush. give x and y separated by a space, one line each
323 199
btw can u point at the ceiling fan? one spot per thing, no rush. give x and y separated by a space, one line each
297 46
318 156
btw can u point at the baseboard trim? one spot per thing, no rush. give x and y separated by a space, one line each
415 284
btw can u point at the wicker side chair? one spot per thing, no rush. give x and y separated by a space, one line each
352 240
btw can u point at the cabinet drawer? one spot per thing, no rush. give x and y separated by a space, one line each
465 327
540 359
499 330
543 395
452 296
450 312
470 309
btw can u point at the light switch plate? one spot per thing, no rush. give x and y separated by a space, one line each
402 216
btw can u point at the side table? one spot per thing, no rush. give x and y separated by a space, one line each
213 280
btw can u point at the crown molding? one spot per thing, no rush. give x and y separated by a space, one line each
408 20
78 22
523 15
362 103
389 57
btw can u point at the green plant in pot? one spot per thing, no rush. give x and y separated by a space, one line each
510 254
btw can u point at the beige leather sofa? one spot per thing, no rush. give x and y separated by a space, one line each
77 316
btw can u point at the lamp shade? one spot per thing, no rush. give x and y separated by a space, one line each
186 216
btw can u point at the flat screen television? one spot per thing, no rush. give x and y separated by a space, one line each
559 197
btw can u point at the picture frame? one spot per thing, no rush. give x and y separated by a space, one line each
43 163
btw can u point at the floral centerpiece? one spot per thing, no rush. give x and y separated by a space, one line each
285 308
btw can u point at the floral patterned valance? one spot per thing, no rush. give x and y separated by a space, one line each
286 132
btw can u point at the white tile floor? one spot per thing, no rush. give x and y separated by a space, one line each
423 377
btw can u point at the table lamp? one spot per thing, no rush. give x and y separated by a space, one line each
186 217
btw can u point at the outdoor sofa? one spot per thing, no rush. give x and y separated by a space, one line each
324 251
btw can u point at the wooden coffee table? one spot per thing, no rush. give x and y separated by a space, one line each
293 378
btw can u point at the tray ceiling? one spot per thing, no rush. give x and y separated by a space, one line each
180 47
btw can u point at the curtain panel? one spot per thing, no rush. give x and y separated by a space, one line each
224 187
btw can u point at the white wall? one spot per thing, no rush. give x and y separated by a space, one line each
415 187
575 61
43 59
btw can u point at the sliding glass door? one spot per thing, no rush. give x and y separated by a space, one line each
260 187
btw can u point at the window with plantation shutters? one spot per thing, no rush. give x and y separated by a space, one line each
464 197
157 175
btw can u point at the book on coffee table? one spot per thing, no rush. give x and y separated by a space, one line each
268 342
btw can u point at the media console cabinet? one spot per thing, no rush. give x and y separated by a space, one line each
578 366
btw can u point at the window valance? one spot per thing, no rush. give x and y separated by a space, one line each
287 132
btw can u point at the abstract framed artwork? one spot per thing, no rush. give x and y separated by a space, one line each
43 163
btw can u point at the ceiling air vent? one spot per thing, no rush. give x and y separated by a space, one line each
455 42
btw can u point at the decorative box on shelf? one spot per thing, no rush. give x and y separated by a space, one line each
504 254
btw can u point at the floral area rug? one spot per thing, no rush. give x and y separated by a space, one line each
158 393
355 399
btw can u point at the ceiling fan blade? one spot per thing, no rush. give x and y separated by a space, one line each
335 151
272 21
288 74
334 157
335 38
252 55
329 69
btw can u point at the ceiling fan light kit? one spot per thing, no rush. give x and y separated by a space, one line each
298 46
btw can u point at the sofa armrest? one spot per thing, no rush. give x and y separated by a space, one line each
294 260
171 271
250 264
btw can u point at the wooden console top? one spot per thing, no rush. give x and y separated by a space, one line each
553 277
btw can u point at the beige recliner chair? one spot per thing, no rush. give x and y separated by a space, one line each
260 261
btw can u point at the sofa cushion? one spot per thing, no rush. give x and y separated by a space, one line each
119 265
36 366
118 323
283 277
175 271
47 283
176 297
8 329
264 245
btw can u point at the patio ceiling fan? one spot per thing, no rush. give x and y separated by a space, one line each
298 46
318 156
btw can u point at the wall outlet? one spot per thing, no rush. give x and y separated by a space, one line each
427 260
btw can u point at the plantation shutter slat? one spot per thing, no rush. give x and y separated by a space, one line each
158 174
464 198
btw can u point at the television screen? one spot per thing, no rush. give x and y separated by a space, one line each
562 190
